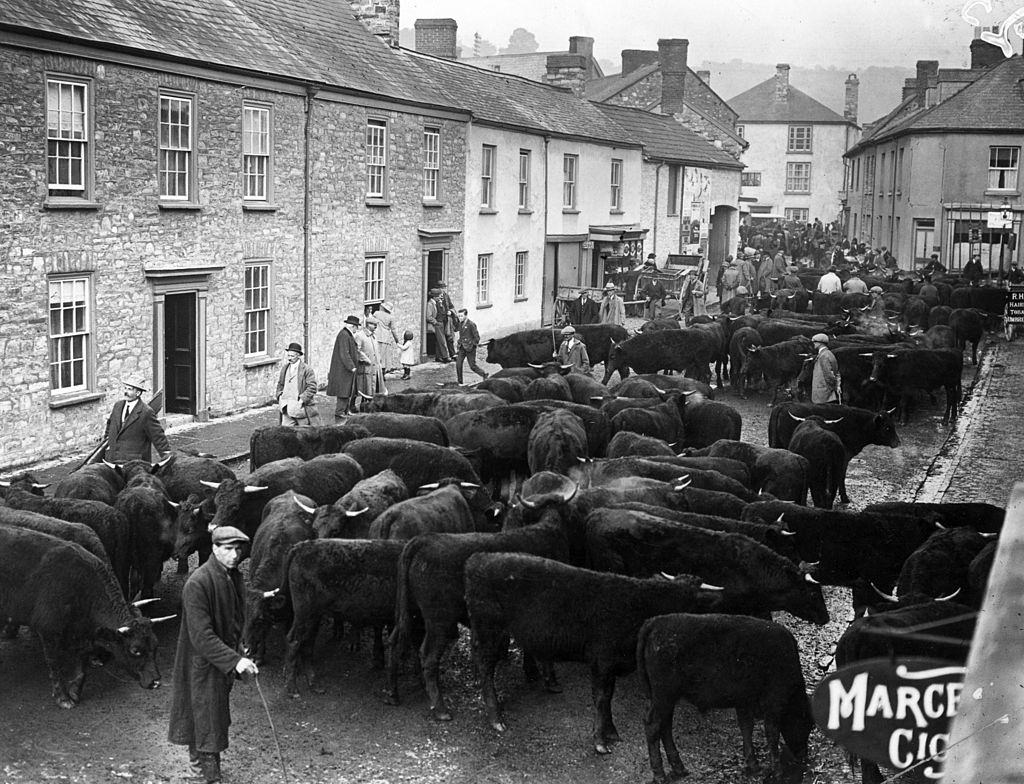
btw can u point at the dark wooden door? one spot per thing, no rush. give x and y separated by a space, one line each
180 353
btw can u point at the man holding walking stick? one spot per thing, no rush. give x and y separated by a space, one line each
341 378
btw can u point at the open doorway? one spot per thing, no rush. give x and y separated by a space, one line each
435 267
180 352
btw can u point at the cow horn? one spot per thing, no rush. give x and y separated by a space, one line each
468 485
810 579
173 504
597 397
667 576
735 318
947 597
356 512
659 391
891 356
565 367
162 618
888 597
5 483
780 520
791 296
940 526
36 485
123 630
710 587
163 462
683 484
798 419
688 392
535 367
210 527
430 486
786 531
570 492
142 602
752 349
891 411
271 594
364 396
833 421
582 459
987 535
255 488
867 354
108 464
302 506
214 485
527 503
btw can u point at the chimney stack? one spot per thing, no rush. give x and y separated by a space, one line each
984 54
926 70
705 76
580 44
632 59
437 37
567 70
782 82
852 93
380 17
672 59
909 88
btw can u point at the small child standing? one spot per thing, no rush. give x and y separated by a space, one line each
408 358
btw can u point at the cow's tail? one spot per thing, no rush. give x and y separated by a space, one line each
254 451
284 591
641 661
400 635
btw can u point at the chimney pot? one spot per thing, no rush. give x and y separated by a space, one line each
437 37
672 54
984 54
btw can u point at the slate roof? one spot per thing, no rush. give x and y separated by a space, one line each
503 99
317 40
665 139
994 103
758 104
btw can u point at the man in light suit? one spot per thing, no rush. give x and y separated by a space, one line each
133 428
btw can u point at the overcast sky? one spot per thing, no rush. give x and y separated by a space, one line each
846 33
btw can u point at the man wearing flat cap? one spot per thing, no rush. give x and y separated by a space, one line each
207 660
296 388
573 351
133 428
341 378
825 377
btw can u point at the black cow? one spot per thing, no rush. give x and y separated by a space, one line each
444 510
558 612
734 469
779 363
508 388
905 371
986 518
430 584
550 386
681 350
415 462
776 471
78 533
92 482
723 661
24 481
271 443
776 330
284 523
655 385
596 423
586 390
742 341
498 435
968 327
558 441
857 427
183 474
719 333
110 525
825 456
390 425
350 516
71 600
707 421
152 517
990 299
537 345
625 443
915 312
662 420
939 314
756 578
441 405
353 579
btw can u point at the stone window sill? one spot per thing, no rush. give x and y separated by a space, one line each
616 212
483 305
75 399
65 203
431 204
520 299
181 206
525 211
999 192
256 362
378 203
570 211
488 211
253 206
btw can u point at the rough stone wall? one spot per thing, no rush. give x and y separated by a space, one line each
129 231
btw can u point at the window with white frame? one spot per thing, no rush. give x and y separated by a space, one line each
520 274
431 163
373 279
487 156
256 152
616 185
70 333
570 168
67 137
175 156
797 214
869 174
798 178
257 308
799 138
750 179
524 179
376 159
1002 168
483 279
740 130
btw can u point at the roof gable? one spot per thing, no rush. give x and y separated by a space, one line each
758 104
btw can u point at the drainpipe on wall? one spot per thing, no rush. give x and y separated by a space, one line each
657 190
682 196
307 210
554 283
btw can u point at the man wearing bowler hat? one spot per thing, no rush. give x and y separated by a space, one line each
296 388
133 428
207 660
341 378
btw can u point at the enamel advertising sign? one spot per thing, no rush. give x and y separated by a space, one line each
895 712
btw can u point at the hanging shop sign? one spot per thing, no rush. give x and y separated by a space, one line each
895 712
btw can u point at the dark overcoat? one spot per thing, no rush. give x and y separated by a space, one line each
344 363
133 439
212 614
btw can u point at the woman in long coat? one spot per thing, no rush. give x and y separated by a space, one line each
388 339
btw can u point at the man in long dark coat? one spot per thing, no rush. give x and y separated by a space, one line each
207 659
341 378
133 428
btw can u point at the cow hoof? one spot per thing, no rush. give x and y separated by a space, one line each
66 703
498 726
601 748
441 715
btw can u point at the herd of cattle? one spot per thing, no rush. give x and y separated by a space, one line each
629 528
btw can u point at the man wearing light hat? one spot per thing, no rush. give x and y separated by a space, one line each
613 309
296 388
207 660
573 351
133 428
825 382
341 378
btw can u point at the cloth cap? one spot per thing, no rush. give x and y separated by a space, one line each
875 289
353 320
741 290
371 321
609 287
228 534
568 330
294 347
136 380
821 337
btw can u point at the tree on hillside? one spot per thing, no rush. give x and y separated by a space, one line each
522 41
482 47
